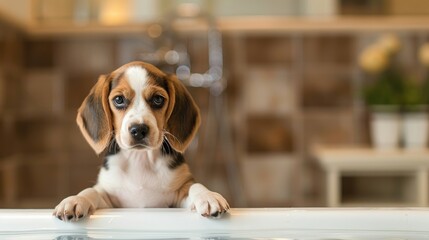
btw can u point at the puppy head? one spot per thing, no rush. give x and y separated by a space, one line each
139 106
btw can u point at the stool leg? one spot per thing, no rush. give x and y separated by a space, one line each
333 188
10 183
422 187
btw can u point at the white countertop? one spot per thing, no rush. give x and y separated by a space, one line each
298 223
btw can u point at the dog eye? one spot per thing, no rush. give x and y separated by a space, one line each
157 101
120 102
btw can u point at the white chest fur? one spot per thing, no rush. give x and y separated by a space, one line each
136 179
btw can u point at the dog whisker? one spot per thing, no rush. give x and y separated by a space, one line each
167 147
170 134
112 148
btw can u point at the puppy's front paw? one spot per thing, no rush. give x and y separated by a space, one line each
209 204
73 208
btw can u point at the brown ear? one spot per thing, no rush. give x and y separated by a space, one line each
94 116
183 115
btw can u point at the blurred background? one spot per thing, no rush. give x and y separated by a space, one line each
304 103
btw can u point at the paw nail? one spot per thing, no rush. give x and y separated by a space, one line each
80 216
69 217
215 214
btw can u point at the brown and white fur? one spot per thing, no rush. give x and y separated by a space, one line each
142 120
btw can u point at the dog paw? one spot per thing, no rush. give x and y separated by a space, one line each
209 204
73 208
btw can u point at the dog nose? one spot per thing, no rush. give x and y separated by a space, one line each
139 131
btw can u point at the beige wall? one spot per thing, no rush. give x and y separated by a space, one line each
17 11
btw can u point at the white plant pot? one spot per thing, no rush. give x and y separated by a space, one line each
415 130
385 130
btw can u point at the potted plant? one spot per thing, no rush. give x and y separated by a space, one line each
416 102
415 117
383 95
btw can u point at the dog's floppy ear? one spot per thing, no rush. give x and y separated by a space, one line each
183 115
94 115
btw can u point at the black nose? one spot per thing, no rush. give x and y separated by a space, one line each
139 131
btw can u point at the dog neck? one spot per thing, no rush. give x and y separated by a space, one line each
149 155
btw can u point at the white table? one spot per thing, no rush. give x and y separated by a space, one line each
360 161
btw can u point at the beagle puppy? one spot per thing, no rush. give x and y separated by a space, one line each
142 120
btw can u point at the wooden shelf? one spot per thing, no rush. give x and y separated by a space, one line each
264 24
248 25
